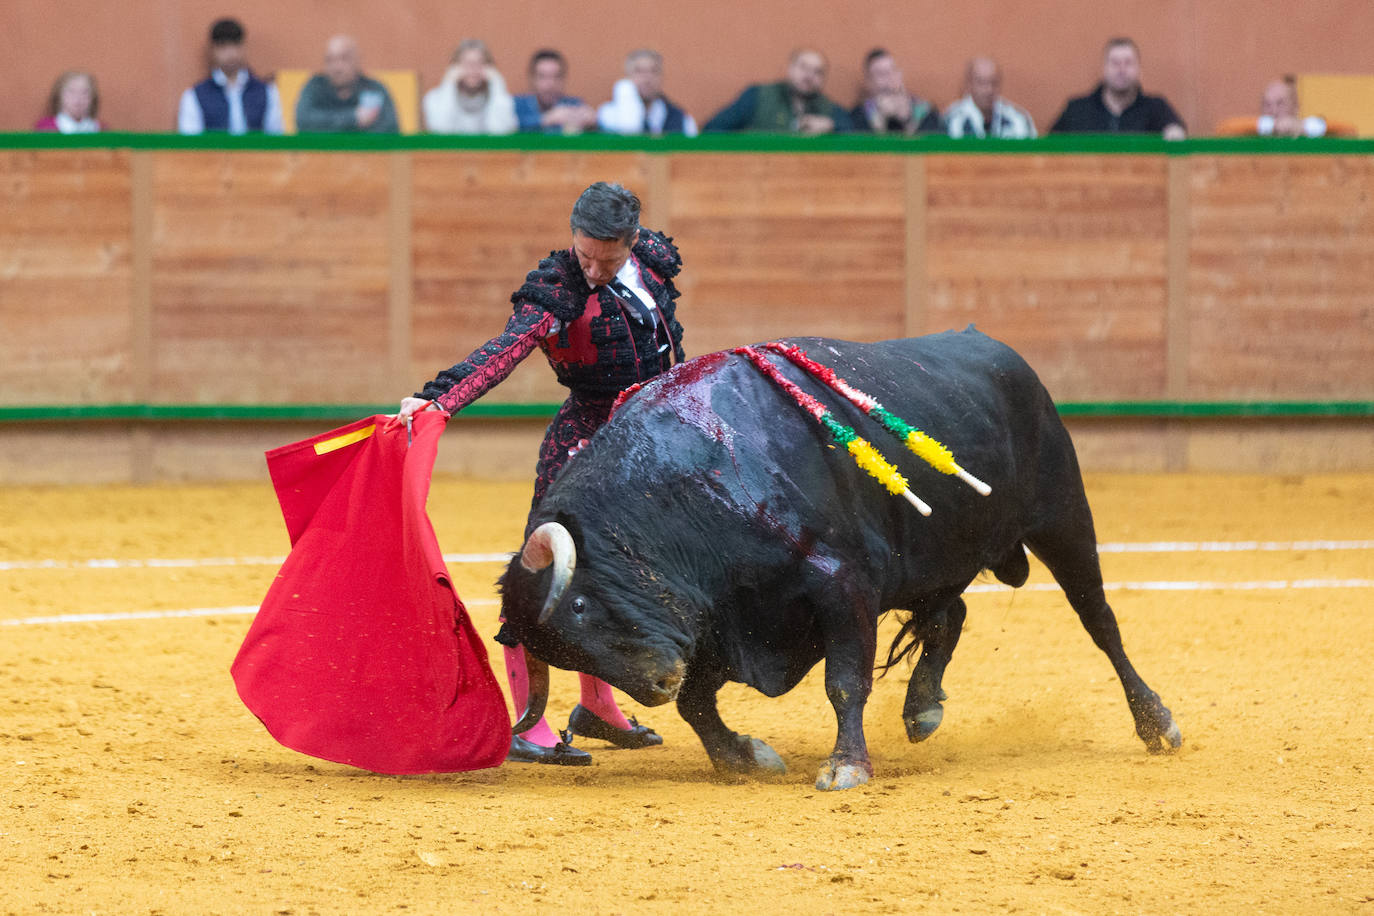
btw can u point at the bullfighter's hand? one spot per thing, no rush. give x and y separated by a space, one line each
411 406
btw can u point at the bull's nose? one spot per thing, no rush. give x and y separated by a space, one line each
670 683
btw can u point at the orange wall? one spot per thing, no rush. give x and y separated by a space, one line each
1211 59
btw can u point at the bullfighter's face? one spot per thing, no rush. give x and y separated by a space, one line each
601 259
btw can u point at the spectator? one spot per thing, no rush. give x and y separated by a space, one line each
638 102
342 98
472 97
547 107
797 104
1117 104
638 105
231 98
887 107
1279 117
982 112
72 105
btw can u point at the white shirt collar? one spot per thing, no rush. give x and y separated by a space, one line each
66 124
240 79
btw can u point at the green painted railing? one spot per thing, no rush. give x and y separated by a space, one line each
159 413
707 143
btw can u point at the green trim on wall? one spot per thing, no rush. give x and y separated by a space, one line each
255 412
158 413
1133 144
1205 410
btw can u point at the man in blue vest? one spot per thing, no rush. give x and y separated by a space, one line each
231 99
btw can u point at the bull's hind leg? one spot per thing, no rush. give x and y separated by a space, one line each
1069 550
730 752
938 630
850 631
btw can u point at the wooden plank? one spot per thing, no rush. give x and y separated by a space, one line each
1279 270
67 453
66 274
141 310
271 277
790 245
400 285
657 196
1065 258
1176 324
917 190
141 298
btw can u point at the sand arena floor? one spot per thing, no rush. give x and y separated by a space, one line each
135 782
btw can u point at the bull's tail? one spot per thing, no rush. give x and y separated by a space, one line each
904 644
934 625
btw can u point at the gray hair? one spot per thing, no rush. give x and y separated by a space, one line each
638 53
608 212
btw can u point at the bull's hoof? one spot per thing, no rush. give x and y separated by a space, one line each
751 757
923 724
843 776
766 760
1165 742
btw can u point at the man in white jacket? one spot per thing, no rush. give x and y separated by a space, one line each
638 105
472 97
982 112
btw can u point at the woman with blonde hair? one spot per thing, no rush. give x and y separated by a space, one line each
472 97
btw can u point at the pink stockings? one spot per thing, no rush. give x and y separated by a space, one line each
596 697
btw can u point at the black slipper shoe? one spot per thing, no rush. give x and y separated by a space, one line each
522 750
588 724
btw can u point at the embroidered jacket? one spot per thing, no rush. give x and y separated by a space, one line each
595 345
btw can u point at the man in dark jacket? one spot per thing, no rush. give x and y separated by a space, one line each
795 105
1117 104
604 312
888 108
343 98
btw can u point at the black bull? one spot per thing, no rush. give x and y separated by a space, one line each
711 532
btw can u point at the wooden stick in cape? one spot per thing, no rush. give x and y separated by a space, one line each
860 449
929 450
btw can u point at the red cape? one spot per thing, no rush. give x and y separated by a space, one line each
362 652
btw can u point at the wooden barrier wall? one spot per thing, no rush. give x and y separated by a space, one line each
298 276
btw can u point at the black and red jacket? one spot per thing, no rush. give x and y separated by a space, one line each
597 350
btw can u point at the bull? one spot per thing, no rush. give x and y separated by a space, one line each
710 532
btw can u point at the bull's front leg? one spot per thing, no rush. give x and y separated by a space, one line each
730 752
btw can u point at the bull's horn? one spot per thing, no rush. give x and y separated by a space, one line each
551 543
537 696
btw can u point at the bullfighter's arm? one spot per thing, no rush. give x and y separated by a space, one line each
459 386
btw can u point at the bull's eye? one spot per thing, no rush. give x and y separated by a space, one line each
579 604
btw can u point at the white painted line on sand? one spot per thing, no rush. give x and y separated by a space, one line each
232 611
193 562
1229 546
1114 547
976 588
